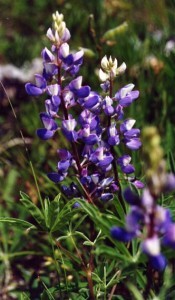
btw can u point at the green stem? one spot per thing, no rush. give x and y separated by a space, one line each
88 270
55 262
37 187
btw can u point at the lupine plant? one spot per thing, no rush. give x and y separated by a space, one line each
100 126
113 250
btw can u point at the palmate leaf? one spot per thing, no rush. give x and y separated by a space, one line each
34 210
17 222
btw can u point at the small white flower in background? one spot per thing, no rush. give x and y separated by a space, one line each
109 68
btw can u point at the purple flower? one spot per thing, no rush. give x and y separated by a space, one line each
130 134
122 234
124 163
68 127
56 177
39 88
125 96
71 62
50 127
88 137
76 87
169 237
87 117
92 101
47 55
107 106
131 198
113 136
151 247
102 158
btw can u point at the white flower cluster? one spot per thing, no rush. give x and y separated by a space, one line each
109 68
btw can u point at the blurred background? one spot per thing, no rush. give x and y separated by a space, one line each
144 38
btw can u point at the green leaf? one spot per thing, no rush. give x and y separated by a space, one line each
171 162
34 210
17 222
113 253
53 212
135 292
64 215
24 296
105 222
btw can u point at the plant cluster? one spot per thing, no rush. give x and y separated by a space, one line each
94 175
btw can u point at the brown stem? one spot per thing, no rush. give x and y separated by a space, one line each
112 292
90 284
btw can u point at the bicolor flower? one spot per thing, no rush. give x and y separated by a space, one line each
76 87
50 127
125 96
68 127
38 88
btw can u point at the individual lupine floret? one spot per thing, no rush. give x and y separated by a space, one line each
125 96
102 158
113 135
130 135
50 127
71 61
68 127
76 87
38 88
124 163
108 106
88 137
110 68
91 102
87 117
62 166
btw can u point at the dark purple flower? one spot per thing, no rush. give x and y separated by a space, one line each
113 136
122 234
134 220
105 197
158 262
130 197
56 177
169 237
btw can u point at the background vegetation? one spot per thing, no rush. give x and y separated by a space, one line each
141 42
